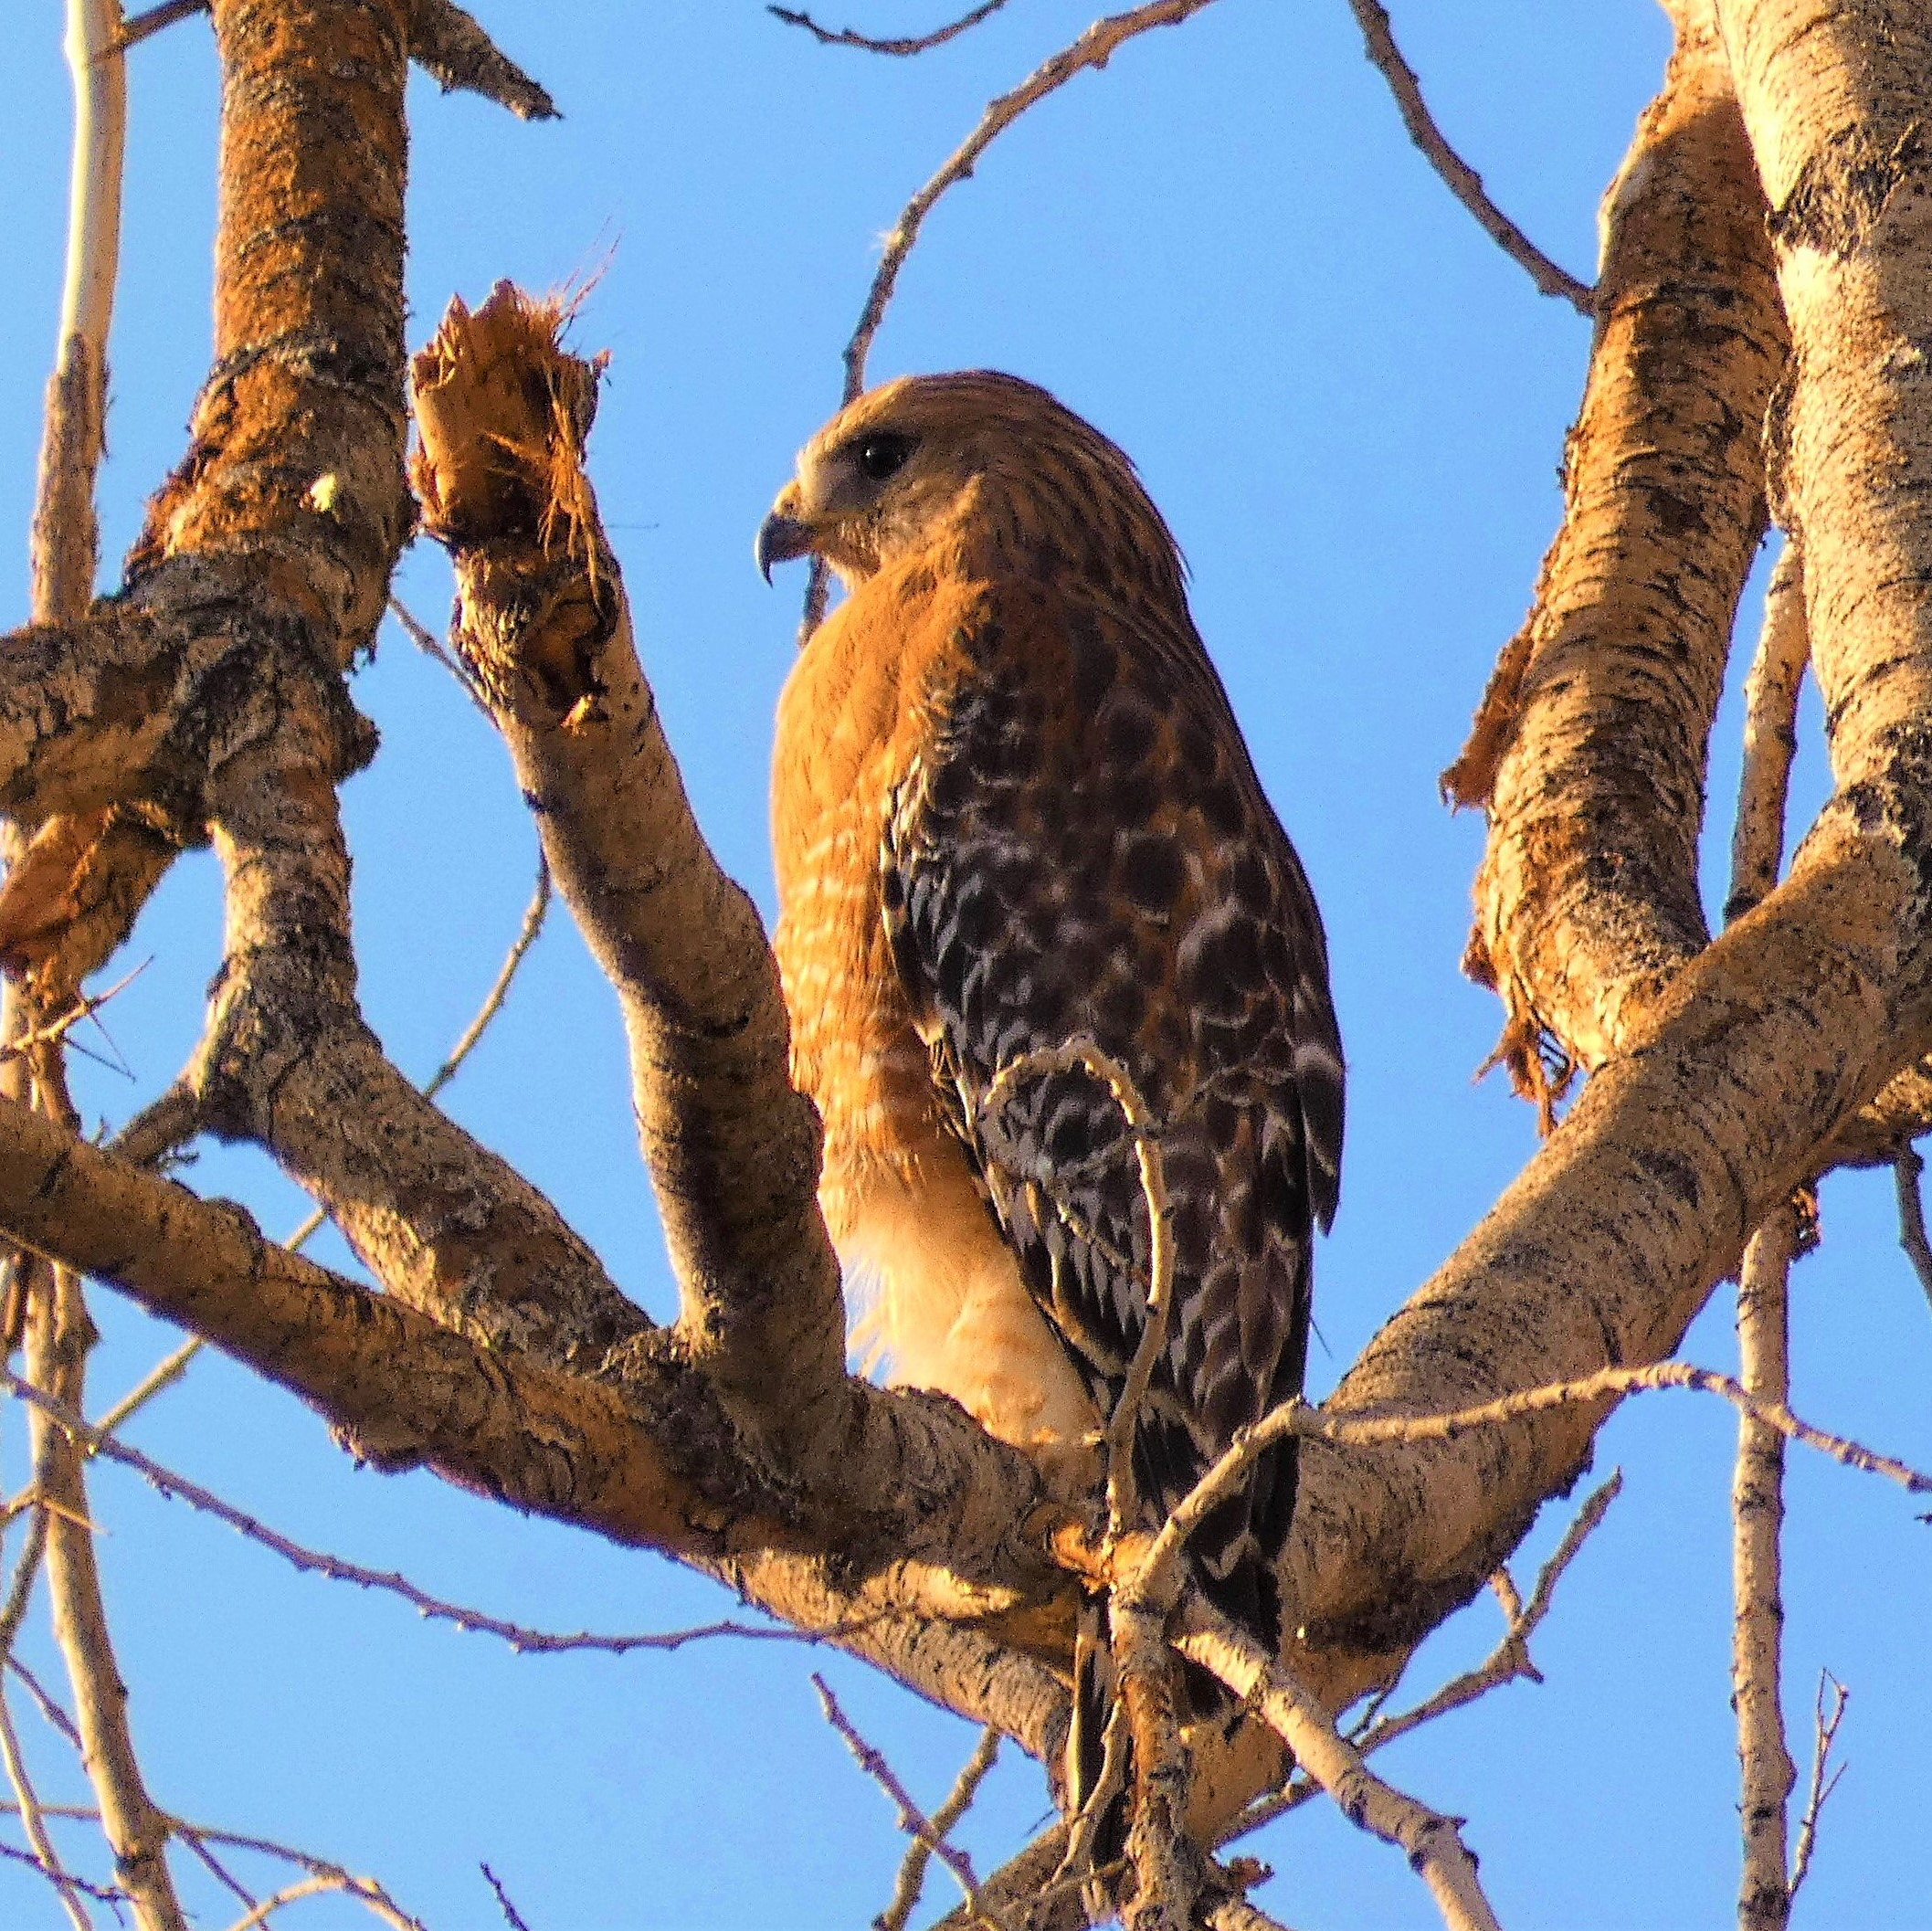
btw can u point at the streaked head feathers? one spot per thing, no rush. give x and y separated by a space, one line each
978 462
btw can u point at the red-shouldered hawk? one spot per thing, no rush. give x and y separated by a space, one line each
1012 809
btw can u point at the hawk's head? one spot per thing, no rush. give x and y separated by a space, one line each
979 464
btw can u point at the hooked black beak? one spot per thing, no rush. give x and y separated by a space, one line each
780 538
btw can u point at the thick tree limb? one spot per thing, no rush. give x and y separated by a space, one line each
289 1061
545 629
1589 750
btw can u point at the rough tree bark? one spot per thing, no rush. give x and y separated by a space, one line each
208 697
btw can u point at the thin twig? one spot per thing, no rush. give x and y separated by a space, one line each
366 1890
219 1871
1092 49
1508 1661
55 1031
1431 1842
527 935
50 1706
1906 1168
165 1373
33 1822
914 44
177 1487
1461 180
100 1893
22 1587
1824 1735
262 1911
1297 1417
912 1820
512 1916
199 1837
59 1335
431 645
906 1892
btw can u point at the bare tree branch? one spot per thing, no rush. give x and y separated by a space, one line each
910 1882
1825 1735
1094 48
330 1876
1758 1517
1906 1169
914 44
1462 181
912 1820
1770 736
528 933
512 1916
95 1441
431 645
32 1819
457 54
100 1893
170 1370
151 20
59 1333
1589 747
1509 1661
1430 1840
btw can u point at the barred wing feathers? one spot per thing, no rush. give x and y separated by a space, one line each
1083 852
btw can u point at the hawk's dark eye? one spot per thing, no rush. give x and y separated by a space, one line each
881 456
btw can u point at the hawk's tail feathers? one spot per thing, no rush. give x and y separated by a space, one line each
1096 1702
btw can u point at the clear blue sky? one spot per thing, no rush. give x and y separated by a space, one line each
1350 406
